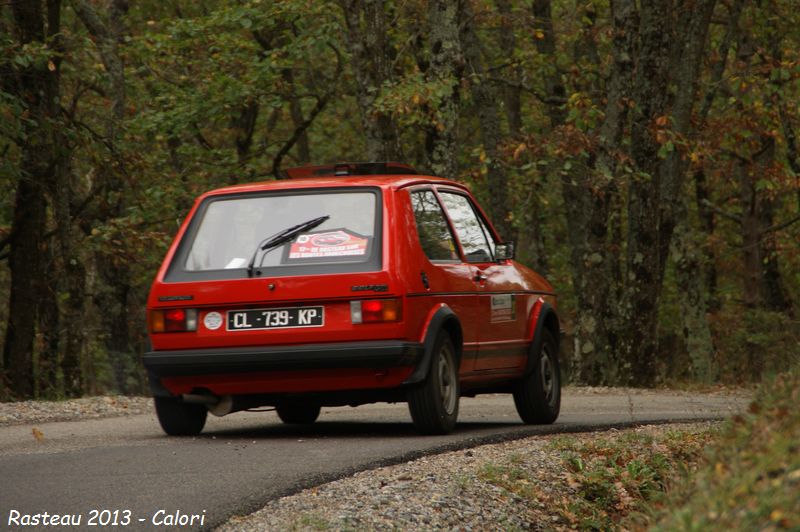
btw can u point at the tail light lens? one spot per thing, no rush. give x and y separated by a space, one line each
173 320
375 310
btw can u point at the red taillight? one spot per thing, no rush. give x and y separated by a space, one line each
176 315
173 320
375 310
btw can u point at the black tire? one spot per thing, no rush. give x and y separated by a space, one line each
538 395
298 413
178 418
434 404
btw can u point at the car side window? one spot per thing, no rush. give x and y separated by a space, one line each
474 236
434 234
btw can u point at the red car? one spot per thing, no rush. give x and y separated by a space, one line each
345 285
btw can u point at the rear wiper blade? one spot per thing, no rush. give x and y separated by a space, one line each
281 237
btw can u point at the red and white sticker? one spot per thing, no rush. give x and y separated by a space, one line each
328 244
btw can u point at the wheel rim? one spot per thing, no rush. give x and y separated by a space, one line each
447 381
548 376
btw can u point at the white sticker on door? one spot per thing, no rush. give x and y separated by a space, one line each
503 308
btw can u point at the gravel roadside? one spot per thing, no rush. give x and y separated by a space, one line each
473 489
24 412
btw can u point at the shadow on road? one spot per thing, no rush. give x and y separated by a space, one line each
347 429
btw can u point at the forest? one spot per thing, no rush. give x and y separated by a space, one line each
642 155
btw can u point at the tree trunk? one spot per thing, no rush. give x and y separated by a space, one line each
591 198
486 98
74 274
701 187
48 380
545 41
707 226
245 125
656 188
371 56
687 248
445 68
25 265
37 86
751 259
296 111
113 270
512 94
773 292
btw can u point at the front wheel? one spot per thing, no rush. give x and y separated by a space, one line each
178 418
298 413
434 405
538 395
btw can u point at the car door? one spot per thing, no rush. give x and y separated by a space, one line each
500 299
447 279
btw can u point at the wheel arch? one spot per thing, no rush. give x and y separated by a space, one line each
440 319
545 318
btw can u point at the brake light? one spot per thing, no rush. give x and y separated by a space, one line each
173 320
375 310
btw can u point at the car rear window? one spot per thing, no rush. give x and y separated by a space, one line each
226 231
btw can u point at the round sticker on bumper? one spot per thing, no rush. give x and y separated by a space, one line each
213 321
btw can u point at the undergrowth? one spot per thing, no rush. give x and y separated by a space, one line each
750 479
613 476
743 474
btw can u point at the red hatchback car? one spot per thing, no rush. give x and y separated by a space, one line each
345 285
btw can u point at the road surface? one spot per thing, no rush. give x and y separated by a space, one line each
125 470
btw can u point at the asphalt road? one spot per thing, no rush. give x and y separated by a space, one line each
128 466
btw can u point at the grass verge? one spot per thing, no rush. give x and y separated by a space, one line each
743 474
750 479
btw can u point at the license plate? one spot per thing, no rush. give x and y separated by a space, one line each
275 318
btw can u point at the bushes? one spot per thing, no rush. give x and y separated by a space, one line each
751 476
752 344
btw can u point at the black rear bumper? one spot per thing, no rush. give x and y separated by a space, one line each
375 354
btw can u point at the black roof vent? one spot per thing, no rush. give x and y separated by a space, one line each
349 169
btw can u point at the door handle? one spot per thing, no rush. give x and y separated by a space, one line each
479 277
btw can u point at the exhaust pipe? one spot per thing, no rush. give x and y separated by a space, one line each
222 406
200 399
219 406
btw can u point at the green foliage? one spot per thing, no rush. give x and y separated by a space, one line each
752 343
616 476
751 476
199 74
511 477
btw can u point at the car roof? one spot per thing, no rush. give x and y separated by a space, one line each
383 181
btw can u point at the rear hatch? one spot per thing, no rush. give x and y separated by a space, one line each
277 268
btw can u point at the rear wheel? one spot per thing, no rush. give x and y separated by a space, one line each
434 405
298 413
178 418
538 395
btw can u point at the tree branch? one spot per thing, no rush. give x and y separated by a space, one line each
725 214
780 226
549 100
299 130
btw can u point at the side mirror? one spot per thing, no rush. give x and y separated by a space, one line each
504 251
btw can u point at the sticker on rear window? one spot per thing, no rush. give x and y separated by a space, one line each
338 243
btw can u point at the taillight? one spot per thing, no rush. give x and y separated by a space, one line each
173 320
375 310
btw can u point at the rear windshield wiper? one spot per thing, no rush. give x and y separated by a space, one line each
281 237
